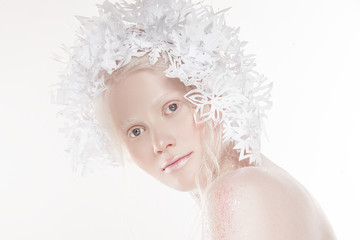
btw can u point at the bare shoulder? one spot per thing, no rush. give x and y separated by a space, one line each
258 203
244 183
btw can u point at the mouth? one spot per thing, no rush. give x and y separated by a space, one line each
176 163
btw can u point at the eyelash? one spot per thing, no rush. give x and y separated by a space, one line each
167 107
131 131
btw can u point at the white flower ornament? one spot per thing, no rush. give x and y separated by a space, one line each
200 50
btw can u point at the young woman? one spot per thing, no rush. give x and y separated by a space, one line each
167 84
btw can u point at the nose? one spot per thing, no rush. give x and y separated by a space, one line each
162 142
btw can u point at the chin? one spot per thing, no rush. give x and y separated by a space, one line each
183 185
185 179
184 188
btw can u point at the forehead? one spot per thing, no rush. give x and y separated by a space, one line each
145 82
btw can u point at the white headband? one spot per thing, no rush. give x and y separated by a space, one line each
199 49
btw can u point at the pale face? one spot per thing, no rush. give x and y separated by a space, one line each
155 123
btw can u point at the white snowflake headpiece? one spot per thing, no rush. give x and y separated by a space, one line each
199 49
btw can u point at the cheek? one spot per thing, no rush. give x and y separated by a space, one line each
188 128
139 155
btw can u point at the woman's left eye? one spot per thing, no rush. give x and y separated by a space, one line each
171 108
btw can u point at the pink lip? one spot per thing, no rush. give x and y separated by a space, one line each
175 163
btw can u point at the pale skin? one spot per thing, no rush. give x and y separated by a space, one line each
156 125
264 203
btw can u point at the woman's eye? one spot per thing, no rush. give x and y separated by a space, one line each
136 132
171 108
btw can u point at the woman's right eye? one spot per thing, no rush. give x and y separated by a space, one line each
135 132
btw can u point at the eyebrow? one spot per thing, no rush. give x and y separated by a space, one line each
161 98
127 122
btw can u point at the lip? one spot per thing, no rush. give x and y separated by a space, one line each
175 163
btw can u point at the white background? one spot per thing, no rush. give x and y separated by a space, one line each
309 49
